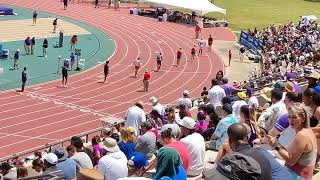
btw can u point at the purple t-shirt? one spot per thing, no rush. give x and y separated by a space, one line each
282 122
97 149
201 126
228 89
297 88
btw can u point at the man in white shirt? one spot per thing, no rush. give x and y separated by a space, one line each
195 144
114 164
253 101
238 104
216 94
135 116
269 117
185 100
157 106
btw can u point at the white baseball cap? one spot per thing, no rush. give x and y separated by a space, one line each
185 92
51 158
187 122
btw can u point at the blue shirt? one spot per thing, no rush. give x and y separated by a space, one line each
127 148
72 57
69 167
180 175
278 172
222 127
16 55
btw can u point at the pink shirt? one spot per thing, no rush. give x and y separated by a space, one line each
201 126
183 152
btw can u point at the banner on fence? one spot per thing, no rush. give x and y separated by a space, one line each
250 42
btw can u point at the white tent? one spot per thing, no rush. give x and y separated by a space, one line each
199 6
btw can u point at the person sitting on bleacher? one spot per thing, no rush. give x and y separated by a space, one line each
69 167
220 133
185 100
195 144
80 157
50 162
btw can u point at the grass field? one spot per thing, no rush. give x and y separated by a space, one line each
245 14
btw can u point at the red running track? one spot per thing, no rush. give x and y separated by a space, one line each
46 113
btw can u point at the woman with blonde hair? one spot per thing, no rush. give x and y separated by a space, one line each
128 141
301 155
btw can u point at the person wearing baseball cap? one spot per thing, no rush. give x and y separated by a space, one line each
50 162
195 144
147 142
114 164
185 100
220 133
239 103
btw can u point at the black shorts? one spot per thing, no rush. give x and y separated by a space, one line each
158 62
65 76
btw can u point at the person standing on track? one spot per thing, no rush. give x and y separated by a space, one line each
73 42
197 31
16 59
159 60
210 42
23 78
34 17
96 4
230 56
44 47
193 52
201 44
33 44
242 51
64 76
65 4
106 71
137 65
55 24
146 79
179 54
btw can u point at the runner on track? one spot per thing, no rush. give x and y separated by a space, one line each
137 64
106 71
201 45
193 52
159 60
210 42
179 54
64 76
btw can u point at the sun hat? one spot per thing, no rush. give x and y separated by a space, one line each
235 166
185 92
187 122
289 86
153 100
110 145
138 160
140 103
315 75
266 93
60 152
242 95
106 130
51 158
89 174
